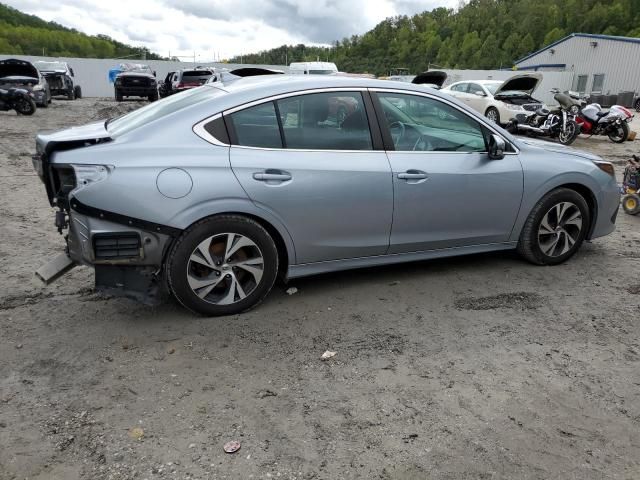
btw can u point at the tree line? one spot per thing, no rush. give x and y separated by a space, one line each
482 34
22 34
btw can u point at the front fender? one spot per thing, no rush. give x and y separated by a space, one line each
533 195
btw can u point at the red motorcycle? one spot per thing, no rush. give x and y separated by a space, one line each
593 120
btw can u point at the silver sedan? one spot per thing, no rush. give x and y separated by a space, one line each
214 193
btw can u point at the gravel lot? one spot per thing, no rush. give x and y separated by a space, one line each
476 367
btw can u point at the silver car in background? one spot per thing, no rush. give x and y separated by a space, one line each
215 192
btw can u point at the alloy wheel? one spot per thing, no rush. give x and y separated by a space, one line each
492 115
566 134
225 268
560 229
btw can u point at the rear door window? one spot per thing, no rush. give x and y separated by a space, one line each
325 121
256 127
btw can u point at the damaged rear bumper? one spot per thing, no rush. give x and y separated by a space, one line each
127 254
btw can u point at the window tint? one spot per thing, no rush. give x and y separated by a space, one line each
474 88
257 126
325 121
429 125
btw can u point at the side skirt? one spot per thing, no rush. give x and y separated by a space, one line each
306 269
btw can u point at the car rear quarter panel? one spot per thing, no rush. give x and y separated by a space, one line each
140 156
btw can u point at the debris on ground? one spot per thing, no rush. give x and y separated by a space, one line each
292 291
136 433
232 447
267 393
328 354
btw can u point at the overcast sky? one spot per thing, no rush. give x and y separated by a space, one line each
222 28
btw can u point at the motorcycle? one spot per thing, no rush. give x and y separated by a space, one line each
17 99
614 123
559 123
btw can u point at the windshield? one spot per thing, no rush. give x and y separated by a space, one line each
50 66
492 87
321 72
153 111
197 73
135 67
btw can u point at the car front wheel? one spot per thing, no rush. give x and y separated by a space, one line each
555 228
493 115
222 265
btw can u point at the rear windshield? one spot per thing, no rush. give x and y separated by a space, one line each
321 72
153 111
197 73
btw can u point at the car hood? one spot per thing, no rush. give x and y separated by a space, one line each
526 82
13 67
557 148
436 78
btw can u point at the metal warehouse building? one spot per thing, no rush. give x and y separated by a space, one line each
601 64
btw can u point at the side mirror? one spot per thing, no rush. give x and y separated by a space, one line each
480 93
497 147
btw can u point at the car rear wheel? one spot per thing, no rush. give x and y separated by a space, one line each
637 105
118 96
78 91
222 265
493 115
71 94
555 228
619 133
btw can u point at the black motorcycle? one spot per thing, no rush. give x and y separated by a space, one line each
17 99
558 123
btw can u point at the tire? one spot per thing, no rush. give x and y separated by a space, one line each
25 106
541 242
493 115
209 286
631 203
636 105
118 95
78 91
621 134
153 97
71 94
45 104
568 137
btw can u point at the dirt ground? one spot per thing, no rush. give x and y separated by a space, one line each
481 367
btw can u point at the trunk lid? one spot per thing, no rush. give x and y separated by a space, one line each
435 78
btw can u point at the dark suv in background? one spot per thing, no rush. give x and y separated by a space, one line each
136 81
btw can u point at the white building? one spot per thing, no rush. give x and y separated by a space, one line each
601 64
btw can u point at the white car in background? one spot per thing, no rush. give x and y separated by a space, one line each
498 100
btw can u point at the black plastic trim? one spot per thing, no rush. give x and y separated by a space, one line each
387 140
375 127
83 209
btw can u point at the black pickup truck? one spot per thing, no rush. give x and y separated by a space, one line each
136 81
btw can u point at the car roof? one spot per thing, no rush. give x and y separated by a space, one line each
267 85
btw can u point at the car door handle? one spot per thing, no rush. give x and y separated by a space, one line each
413 175
272 176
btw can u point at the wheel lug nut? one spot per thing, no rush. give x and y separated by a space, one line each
228 276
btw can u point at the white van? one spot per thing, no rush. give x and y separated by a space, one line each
313 68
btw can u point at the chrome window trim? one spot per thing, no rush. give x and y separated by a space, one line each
200 131
481 121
